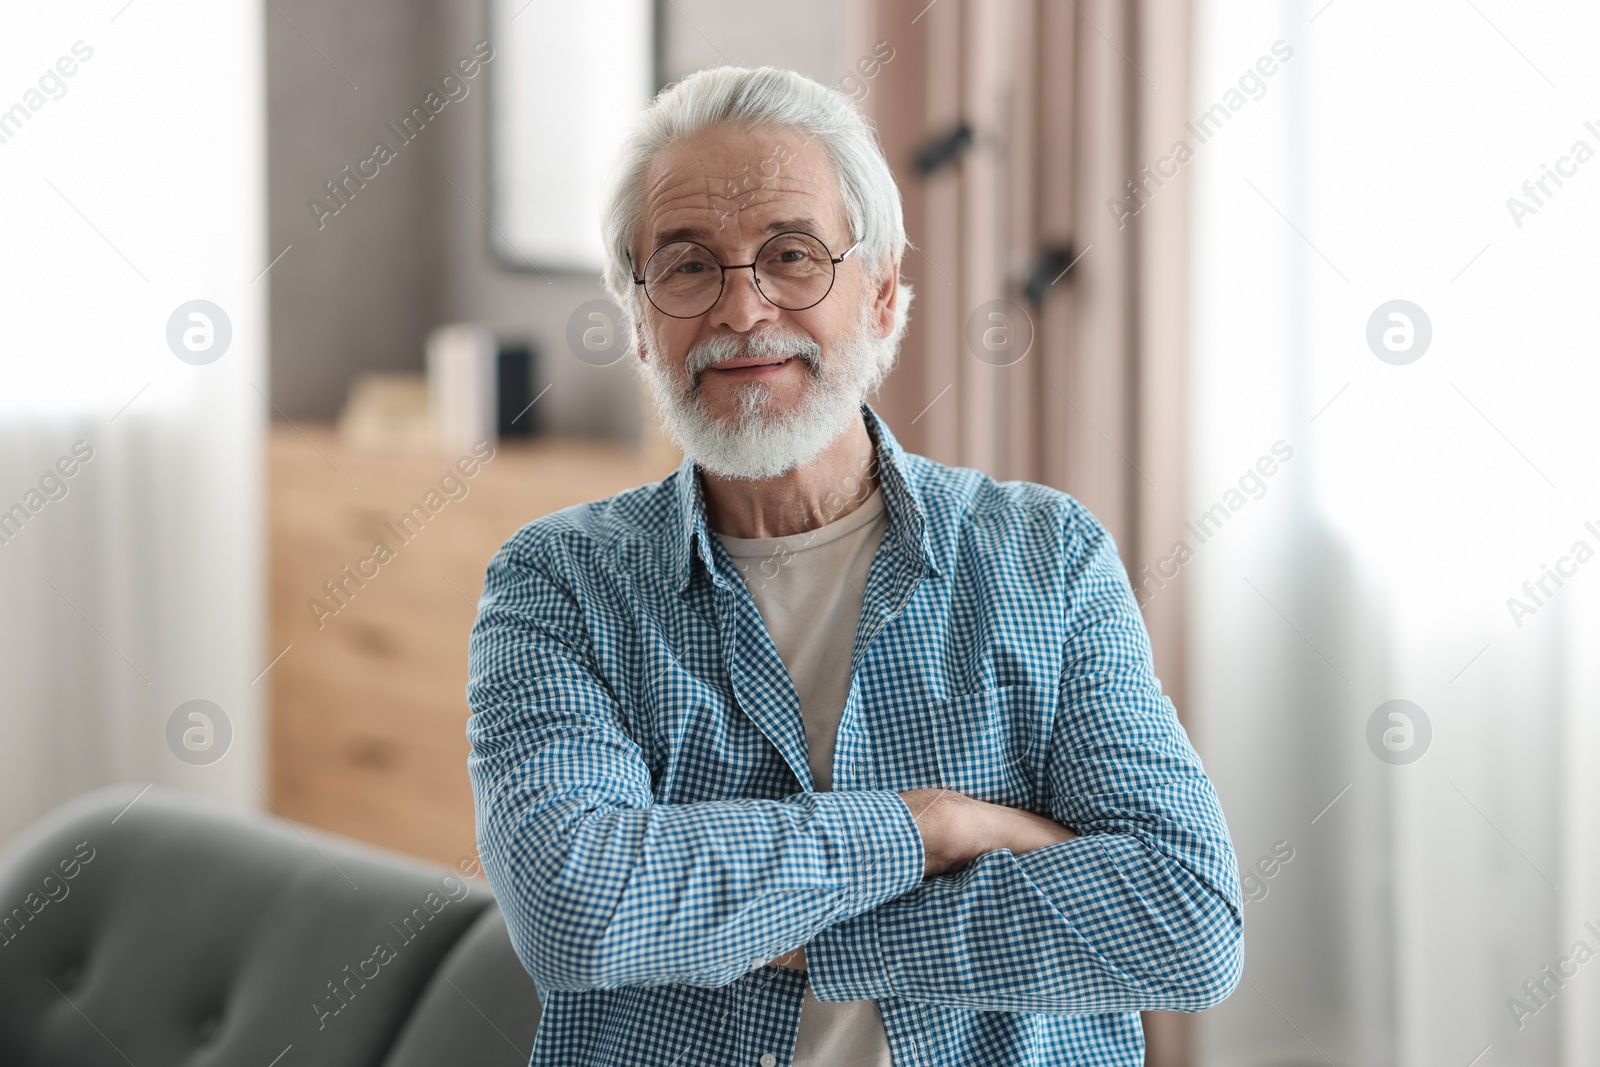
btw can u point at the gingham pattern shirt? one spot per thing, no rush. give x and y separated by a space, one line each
648 821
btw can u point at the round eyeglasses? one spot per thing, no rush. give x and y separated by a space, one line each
792 270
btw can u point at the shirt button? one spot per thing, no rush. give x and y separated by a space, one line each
768 1059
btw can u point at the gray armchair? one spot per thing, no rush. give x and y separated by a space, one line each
174 932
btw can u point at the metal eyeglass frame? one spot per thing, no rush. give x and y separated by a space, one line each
724 268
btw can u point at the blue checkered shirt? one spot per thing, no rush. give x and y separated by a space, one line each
648 821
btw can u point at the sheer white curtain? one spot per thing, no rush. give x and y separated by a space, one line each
130 563
1399 907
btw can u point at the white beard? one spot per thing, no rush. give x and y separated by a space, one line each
754 445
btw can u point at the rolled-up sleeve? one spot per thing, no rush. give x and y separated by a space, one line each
602 887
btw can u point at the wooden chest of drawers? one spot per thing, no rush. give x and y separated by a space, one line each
368 700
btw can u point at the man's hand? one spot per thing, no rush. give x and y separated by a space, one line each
957 829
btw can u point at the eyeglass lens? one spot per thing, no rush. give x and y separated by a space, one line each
793 271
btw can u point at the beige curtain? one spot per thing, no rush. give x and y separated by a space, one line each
1066 101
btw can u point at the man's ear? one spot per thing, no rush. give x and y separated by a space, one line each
638 338
887 299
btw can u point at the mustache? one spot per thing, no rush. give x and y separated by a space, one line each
768 344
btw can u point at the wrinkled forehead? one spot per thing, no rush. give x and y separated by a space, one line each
731 188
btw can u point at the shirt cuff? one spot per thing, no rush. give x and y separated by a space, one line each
845 961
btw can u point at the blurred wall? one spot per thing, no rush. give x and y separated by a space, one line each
358 293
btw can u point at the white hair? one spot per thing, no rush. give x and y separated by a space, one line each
744 98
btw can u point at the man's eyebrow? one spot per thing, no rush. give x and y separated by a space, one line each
700 233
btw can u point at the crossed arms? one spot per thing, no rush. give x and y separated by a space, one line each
1138 907
956 830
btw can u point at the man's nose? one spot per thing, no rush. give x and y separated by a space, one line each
741 307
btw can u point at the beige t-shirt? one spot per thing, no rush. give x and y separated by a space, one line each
808 588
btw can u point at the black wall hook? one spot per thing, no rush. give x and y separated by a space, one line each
944 149
1053 262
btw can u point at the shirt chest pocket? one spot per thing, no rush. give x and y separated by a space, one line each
991 744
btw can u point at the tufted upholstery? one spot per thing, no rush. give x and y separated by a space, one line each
178 933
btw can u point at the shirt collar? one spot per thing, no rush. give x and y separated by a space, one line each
908 518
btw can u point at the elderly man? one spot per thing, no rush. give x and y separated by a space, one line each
819 752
